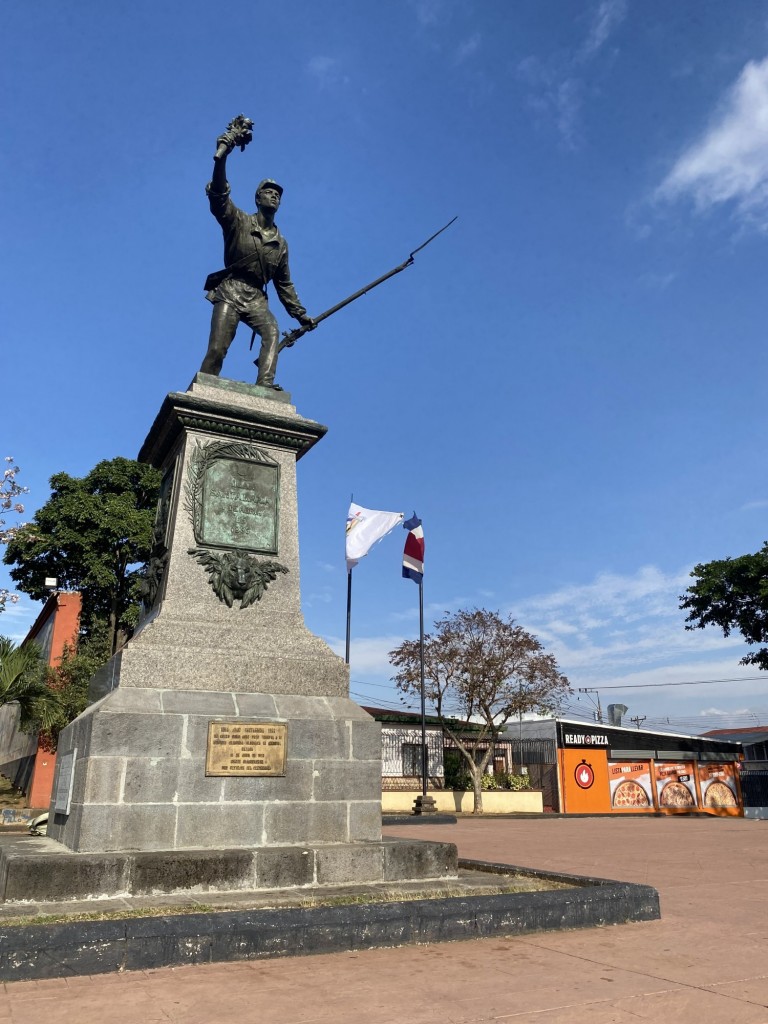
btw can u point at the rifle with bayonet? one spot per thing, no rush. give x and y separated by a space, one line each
291 337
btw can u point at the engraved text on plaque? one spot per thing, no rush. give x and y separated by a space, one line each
246 748
240 505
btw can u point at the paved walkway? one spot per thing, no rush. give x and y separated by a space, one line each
705 961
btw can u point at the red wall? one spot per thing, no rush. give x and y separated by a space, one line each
65 609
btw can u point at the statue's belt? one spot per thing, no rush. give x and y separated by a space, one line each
213 280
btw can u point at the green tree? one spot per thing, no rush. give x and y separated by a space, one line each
479 671
93 535
732 593
22 681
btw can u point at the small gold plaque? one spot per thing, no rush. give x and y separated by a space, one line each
246 748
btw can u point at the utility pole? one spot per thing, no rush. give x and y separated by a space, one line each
592 689
638 720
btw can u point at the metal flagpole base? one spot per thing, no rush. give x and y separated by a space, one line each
424 804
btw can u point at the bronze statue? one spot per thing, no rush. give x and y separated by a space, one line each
255 253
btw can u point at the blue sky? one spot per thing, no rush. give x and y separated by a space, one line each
568 386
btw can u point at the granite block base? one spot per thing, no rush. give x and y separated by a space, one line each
139 780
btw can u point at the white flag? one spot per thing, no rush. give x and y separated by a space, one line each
364 527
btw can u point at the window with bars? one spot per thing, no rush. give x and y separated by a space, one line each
412 759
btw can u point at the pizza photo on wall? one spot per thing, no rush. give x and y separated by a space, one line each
675 785
630 783
718 786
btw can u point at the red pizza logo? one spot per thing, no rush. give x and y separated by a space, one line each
584 775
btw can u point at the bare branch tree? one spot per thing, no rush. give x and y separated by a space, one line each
483 669
10 490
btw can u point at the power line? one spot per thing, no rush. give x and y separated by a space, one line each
388 705
691 682
379 686
707 721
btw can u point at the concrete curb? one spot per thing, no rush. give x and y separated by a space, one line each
418 819
97 947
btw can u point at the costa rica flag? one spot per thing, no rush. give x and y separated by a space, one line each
413 555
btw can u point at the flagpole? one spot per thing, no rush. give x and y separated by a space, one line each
365 526
413 569
349 610
349 592
424 757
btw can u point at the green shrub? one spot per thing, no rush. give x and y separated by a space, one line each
506 781
458 778
517 782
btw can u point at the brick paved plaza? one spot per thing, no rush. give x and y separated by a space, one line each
705 961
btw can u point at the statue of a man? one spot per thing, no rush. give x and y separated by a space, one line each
255 253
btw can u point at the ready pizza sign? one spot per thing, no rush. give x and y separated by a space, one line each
585 739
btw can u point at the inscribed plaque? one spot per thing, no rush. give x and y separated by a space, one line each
239 506
246 748
62 798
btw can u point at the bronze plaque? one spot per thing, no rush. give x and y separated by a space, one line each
239 506
246 748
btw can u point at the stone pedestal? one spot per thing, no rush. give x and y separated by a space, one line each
223 641
424 804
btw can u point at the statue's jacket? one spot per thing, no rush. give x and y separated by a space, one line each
242 238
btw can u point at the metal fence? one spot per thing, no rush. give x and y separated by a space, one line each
536 758
754 788
534 751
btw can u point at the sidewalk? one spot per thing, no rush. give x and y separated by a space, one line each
706 960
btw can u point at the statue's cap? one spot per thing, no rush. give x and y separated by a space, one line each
269 181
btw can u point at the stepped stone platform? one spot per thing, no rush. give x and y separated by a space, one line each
134 933
41 870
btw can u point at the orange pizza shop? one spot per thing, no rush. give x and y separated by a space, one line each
613 770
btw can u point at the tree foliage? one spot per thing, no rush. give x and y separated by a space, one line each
732 593
479 671
93 535
23 681
10 490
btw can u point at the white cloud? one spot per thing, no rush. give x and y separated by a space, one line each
555 95
728 163
468 47
606 19
326 71
614 625
613 592
17 619
657 281
568 110
751 506
320 66
325 595
367 655
715 712
429 12
618 630
619 625
437 609
557 85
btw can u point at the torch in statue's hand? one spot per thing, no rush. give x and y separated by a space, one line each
239 133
